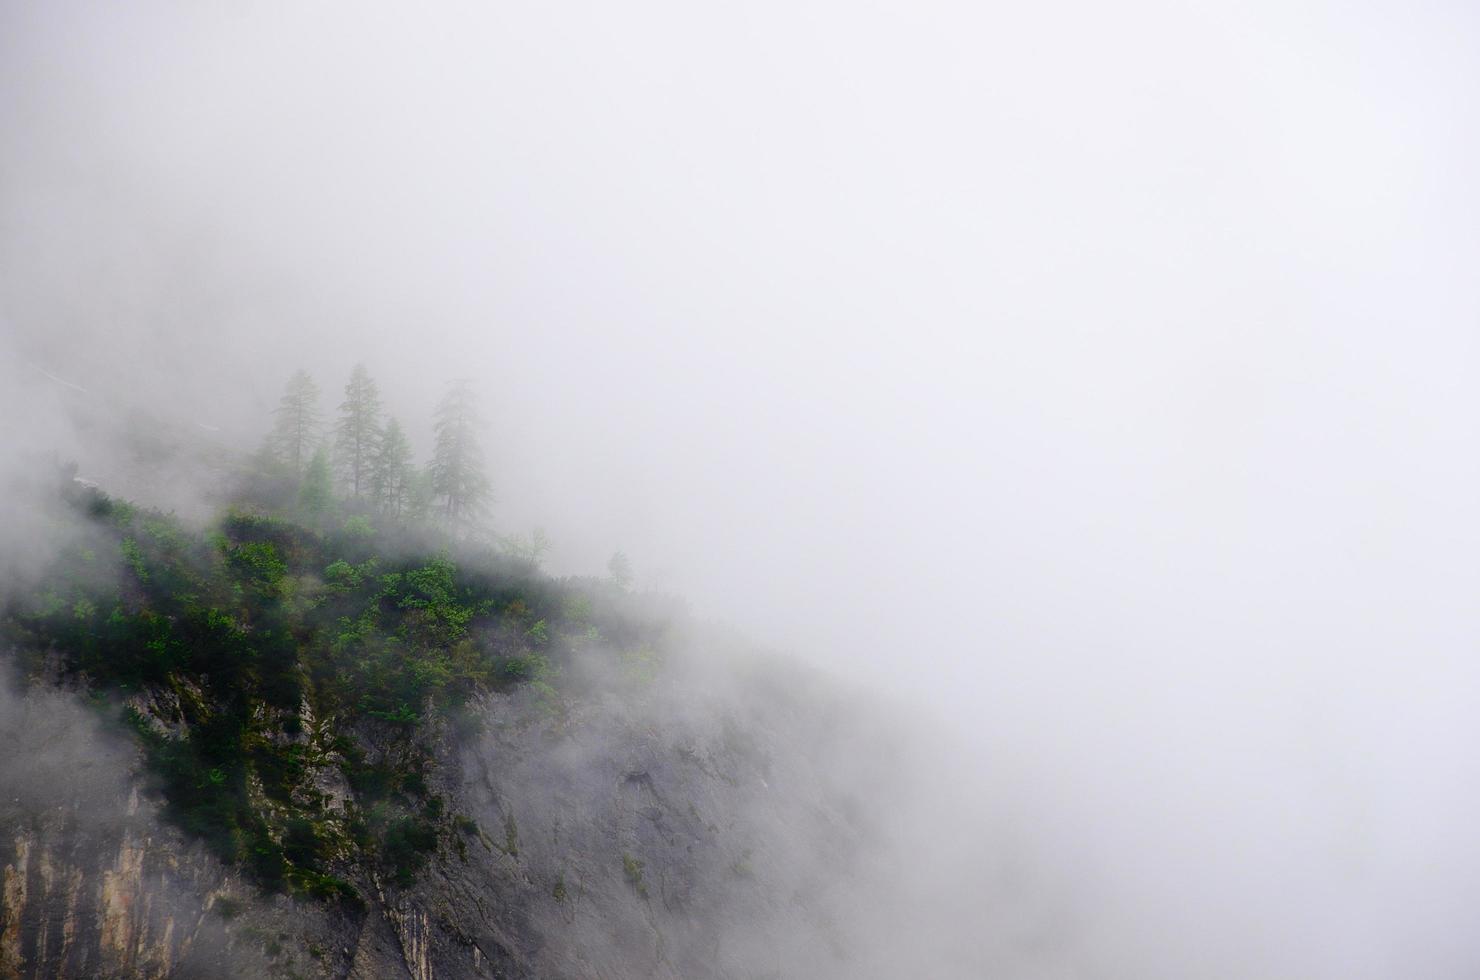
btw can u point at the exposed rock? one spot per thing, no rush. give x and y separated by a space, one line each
646 836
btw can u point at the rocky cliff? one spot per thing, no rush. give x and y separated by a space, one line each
675 835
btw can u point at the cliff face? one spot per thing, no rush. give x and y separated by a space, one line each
673 834
679 837
93 884
106 905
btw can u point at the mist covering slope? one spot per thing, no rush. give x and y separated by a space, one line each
282 741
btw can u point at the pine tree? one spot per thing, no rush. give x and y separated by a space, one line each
619 570
419 495
456 469
358 429
391 475
316 495
297 423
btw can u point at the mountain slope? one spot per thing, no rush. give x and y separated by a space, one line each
297 746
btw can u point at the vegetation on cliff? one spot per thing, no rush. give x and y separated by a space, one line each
291 669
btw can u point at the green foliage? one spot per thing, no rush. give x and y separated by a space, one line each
357 432
529 548
297 421
619 570
228 908
632 871
456 470
578 608
328 887
432 609
392 478
342 574
640 667
414 782
518 670
235 637
358 527
370 781
258 562
133 555
407 843
301 843
316 494
281 769
511 836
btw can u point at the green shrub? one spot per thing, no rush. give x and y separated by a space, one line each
517 670
632 871
301 843
511 836
259 562
406 845
372 782
358 526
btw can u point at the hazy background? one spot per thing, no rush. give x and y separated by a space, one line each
1099 377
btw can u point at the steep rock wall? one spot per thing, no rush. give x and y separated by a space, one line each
656 834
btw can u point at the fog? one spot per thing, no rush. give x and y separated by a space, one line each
1098 381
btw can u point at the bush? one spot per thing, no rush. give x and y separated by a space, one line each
301 843
508 671
632 871
259 562
407 842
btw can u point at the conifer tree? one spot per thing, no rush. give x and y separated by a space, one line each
619 570
316 495
391 475
294 433
419 495
456 470
358 429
